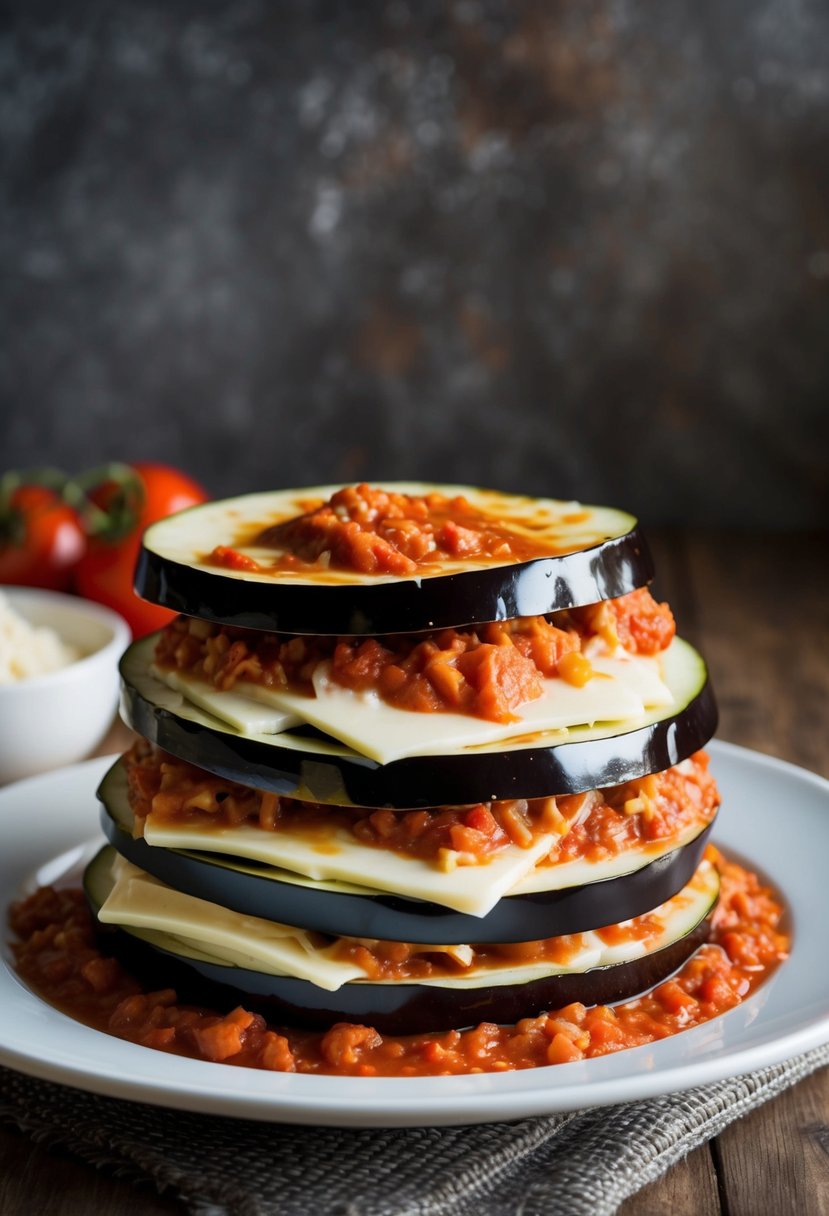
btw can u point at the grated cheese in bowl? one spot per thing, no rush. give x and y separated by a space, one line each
26 650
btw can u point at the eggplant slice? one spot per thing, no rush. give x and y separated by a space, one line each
303 763
392 1007
339 908
607 557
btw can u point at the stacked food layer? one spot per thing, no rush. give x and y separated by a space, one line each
419 757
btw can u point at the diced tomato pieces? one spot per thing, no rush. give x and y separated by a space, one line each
218 1042
643 626
563 1050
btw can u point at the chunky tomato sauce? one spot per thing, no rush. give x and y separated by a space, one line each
486 672
593 826
58 956
647 811
370 531
232 559
404 961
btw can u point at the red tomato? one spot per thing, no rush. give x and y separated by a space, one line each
105 572
41 539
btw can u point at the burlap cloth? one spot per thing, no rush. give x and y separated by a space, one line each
583 1164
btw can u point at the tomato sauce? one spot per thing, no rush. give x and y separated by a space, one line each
646 811
486 672
366 530
232 559
59 957
408 962
593 826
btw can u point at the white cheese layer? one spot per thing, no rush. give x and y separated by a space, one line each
225 937
340 856
640 674
683 668
138 900
249 707
473 890
623 689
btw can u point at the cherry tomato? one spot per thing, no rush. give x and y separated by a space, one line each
41 538
130 504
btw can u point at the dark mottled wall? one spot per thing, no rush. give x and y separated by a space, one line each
580 248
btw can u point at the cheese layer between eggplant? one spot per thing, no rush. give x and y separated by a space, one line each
139 901
340 856
473 890
622 690
249 707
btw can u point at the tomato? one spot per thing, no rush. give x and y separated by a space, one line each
148 493
41 538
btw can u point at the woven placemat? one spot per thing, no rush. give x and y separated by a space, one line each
582 1164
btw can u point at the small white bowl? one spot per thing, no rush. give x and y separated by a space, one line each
55 719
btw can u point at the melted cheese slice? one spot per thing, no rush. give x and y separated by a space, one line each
340 856
641 674
473 890
250 707
683 669
218 935
624 687
138 900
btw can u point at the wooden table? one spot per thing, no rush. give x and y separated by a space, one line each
748 602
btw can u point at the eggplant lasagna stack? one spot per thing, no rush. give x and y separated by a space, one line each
415 757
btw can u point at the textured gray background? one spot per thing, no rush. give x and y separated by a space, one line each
578 248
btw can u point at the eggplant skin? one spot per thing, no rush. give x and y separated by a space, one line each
452 779
392 1008
516 918
548 584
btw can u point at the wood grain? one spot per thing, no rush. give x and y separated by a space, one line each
762 612
35 1181
757 608
778 1156
689 1189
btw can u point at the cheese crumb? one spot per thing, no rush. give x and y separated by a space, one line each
26 650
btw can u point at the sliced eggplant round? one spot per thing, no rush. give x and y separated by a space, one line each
302 763
393 1007
342 909
596 553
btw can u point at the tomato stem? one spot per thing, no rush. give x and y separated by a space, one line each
49 478
110 500
12 518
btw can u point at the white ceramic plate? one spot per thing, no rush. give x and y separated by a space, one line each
773 814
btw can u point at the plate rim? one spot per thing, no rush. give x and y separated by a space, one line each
336 1101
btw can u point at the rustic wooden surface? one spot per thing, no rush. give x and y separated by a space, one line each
748 603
